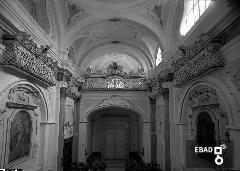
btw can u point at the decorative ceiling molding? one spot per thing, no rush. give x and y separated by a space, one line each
155 10
73 11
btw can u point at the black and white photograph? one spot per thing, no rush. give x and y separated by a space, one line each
119 85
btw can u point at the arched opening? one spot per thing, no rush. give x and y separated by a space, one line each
206 135
114 133
22 136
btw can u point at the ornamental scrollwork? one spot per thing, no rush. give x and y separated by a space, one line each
115 79
39 52
202 96
114 69
202 56
24 56
73 87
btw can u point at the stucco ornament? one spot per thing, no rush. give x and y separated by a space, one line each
23 54
196 59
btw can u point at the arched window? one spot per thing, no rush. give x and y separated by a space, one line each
192 12
206 135
159 56
20 136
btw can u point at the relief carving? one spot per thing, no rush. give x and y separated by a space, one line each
20 97
202 56
115 78
156 83
22 53
202 96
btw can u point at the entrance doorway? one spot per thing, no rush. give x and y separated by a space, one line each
114 133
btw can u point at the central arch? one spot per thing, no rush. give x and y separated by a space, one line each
115 128
118 102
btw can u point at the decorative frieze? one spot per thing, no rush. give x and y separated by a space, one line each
114 69
114 79
115 83
196 59
22 53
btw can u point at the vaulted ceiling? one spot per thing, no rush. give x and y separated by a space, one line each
97 32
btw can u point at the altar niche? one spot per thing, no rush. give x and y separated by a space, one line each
203 113
20 117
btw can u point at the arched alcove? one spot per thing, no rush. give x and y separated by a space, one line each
204 119
17 97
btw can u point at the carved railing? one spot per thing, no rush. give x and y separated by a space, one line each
115 82
22 53
200 57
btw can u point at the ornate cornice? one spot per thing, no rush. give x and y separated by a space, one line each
196 59
114 69
23 54
74 87
156 83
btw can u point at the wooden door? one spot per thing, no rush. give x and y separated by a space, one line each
116 141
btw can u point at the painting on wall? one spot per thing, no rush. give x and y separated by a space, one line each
20 136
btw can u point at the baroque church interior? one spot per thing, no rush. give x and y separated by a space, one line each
119 85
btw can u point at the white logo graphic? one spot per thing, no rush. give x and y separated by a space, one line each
217 151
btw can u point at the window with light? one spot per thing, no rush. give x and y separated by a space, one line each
115 83
159 56
193 10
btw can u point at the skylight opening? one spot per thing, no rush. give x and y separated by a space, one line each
159 56
194 9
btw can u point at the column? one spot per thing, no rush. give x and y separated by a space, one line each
153 131
82 150
61 129
146 139
75 130
167 132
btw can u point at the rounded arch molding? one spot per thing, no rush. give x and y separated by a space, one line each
32 89
115 101
218 95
